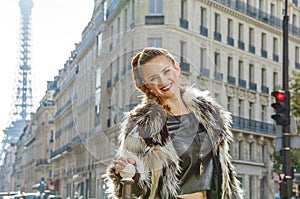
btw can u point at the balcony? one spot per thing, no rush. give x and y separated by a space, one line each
295 2
204 72
263 16
218 36
251 49
297 65
218 76
116 78
264 53
108 84
123 71
112 7
265 89
242 83
203 31
241 45
129 67
154 19
41 162
245 8
230 41
76 139
275 57
253 125
185 67
61 150
252 86
132 23
184 23
231 80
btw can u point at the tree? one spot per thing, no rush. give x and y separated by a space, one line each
294 87
295 97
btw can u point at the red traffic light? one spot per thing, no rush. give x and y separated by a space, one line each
279 95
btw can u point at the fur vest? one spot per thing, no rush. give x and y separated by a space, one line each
144 137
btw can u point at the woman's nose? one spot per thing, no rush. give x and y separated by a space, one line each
163 79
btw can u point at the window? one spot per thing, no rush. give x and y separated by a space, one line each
203 58
241 69
217 22
240 150
229 104
275 80
240 108
104 10
241 32
99 43
111 36
272 10
217 61
275 46
251 186
155 42
251 36
118 27
263 41
230 66
125 20
263 153
218 97
155 6
251 110
251 73
263 76
294 20
183 51
51 136
183 13
251 41
203 15
251 151
261 5
263 113
230 28
133 10
297 54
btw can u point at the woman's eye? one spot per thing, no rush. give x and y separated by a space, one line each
152 79
167 70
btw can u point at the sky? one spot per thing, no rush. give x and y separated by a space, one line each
56 27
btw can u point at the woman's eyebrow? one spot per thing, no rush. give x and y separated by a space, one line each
152 76
163 70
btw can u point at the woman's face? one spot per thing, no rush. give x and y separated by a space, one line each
162 77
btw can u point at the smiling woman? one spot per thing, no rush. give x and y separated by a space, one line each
177 138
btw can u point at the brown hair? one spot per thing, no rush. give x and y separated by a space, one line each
142 58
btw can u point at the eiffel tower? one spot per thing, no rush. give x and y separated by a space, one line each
23 103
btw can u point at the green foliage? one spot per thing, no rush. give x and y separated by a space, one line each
295 96
294 87
295 160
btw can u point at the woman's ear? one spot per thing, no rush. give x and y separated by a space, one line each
147 86
177 67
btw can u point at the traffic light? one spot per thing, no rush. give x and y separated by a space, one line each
293 171
281 107
282 189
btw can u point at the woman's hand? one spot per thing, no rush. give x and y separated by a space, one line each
121 163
